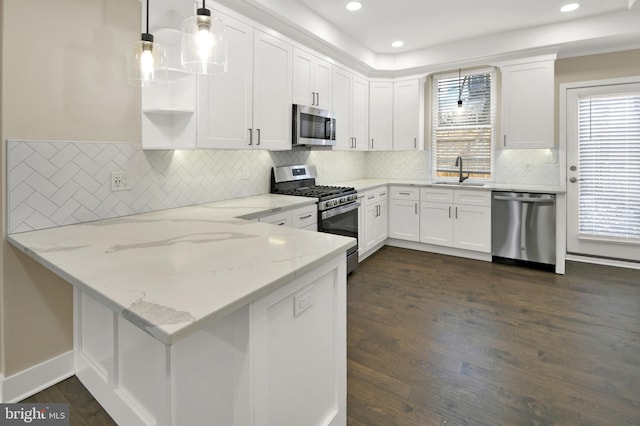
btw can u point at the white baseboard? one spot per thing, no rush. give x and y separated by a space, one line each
603 261
34 379
449 251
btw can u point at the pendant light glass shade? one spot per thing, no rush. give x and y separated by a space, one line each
204 43
146 63
146 60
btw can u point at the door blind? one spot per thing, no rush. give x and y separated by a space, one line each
468 131
609 167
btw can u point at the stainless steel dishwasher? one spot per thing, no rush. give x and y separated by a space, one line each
523 228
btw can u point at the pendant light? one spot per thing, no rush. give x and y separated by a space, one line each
204 43
146 61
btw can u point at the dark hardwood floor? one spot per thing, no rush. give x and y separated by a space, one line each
84 410
439 340
435 340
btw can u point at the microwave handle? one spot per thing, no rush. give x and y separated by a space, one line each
331 129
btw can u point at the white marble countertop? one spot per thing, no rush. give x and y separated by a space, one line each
367 184
170 270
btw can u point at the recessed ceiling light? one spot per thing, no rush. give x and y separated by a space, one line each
397 43
569 7
354 5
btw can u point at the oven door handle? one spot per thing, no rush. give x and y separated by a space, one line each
340 210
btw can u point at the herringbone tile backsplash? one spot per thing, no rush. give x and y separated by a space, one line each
52 183
59 183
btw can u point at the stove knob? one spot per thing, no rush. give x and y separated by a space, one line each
343 200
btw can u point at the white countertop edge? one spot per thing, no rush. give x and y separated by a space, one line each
366 184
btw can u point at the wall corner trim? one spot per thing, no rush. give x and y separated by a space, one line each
28 382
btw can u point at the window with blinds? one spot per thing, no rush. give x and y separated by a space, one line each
609 167
468 131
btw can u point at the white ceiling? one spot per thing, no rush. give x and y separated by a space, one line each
426 23
443 34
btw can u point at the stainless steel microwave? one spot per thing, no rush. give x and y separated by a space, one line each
313 126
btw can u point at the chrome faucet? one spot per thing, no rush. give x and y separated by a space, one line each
459 163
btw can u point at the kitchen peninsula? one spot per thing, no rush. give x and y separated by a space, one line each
198 316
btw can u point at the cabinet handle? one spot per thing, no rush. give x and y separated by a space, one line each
504 143
449 212
382 194
415 143
371 197
371 143
404 193
305 217
416 207
456 212
317 98
281 224
355 143
250 137
258 131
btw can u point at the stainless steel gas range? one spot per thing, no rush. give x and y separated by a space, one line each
337 205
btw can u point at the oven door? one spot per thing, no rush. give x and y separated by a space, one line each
342 220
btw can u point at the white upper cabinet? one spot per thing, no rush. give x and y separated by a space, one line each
249 106
342 101
351 106
360 113
408 109
380 115
225 101
272 106
311 80
527 105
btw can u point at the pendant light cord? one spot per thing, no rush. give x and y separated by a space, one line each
148 16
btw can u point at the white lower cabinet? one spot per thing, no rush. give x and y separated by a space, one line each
301 218
280 360
404 213
372 220
456 218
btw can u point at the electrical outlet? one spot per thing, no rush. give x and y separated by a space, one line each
121 181
302 301
550 156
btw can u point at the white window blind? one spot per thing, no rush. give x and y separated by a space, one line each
609 167
468 131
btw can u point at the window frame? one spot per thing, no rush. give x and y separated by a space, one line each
434 123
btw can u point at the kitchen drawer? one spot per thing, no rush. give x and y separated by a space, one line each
472 197
280 218
370 197
409 193
305 216
381 193
436 195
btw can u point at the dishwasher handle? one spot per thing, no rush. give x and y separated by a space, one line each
524 200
